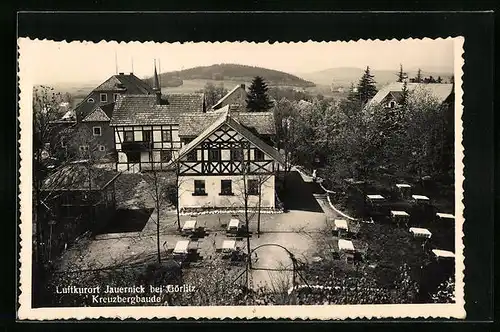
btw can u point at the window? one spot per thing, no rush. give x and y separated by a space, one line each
84 148
165 156
96 131
101 147
192 155
392 104
236 154
63 144
104 97
128 136
166 136
115 96
214 155
258 155
199 187
90 100
225 187
253 187
146 136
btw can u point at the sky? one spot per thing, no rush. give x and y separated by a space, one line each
59 62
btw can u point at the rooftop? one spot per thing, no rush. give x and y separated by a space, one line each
75 176
144 110
439 91
128 82
261 123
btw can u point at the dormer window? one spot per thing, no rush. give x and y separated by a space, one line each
104 97
90 100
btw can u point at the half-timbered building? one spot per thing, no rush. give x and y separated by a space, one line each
146 127
229 166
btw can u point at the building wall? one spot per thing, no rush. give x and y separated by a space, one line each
213 199
106 139
148 159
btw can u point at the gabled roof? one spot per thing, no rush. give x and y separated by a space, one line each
262 123
75 176
226 118
218 104
125 82
138 110
439 91
97 115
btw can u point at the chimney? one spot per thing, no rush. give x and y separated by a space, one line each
120 73
242 86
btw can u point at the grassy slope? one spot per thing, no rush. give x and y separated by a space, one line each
235 72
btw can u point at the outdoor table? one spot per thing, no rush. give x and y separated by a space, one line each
181 247
404 189
420 232
341 224
420 198
346 245
443 253
233 225
189 226
445 215
375 197
228 246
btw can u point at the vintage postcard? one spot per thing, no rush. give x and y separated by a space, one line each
313 180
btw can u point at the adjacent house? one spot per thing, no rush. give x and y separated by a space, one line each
228 164
236 98
390 96
89 120
76 198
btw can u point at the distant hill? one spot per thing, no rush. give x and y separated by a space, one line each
344 76
231 72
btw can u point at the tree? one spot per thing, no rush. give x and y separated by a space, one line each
158 190
213 93
401 74
404 94
439 80
258 98
418 78
366 87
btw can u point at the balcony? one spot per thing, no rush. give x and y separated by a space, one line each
137 146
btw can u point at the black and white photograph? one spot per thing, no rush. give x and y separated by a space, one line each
235 179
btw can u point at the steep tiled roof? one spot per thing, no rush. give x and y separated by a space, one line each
129 82
75 176
143 110
194 124
226 118
439 91
188 102
97 115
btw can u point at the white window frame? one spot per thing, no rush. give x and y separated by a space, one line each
105 97
84 148
115 96
101 147
90 100
63 144
93 131
392 104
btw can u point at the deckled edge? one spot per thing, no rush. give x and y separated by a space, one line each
319 312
